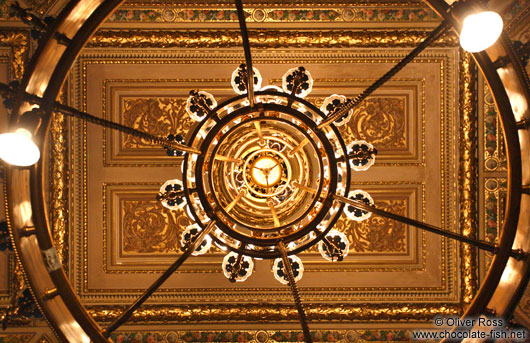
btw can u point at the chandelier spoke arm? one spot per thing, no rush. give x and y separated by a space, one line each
296 294
228 159
273 212
124 316
352 103
483 245
242 192
246 48
257 125
72 112
6 91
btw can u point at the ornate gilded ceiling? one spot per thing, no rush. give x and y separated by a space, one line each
138 69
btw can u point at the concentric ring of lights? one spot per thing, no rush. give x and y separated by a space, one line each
314 165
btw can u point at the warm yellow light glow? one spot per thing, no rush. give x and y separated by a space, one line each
17 148
480 31
266 171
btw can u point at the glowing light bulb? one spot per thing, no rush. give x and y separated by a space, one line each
480 31
17 148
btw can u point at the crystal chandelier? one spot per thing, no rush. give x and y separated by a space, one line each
266 175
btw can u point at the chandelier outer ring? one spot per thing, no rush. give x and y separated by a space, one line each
88 15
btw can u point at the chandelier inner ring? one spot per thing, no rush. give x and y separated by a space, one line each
266 174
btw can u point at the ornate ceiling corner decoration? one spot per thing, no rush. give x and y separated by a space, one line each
263 39
468 173
18 41
23 309
40 6
17 337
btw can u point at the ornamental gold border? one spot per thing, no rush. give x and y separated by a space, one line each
265 39
18 41
167 12
18 44
468 174
58 145
254 313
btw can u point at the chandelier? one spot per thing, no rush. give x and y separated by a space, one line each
266 174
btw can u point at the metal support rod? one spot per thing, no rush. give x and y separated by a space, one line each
273 212
352 103
424 226
298 147
228 159
7 91
523 124
246 48
296 294
304 188
124 316
235 201
260 134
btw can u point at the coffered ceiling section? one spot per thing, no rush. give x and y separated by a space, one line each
122 237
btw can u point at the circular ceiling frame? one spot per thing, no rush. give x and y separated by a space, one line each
45 75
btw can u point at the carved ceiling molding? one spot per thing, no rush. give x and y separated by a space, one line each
468 173
262 39
18 42
253 312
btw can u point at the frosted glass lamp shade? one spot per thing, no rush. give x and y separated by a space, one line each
480 31
17 148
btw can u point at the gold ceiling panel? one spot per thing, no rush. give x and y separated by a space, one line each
155 106
141 236
116 182
394 120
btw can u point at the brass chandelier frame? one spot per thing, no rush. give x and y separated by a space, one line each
45 76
